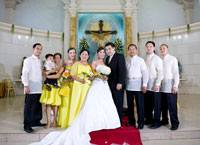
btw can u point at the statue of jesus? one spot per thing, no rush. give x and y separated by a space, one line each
100 34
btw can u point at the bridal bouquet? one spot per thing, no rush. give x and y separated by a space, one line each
104 71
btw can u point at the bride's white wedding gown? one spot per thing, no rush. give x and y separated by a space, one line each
98 112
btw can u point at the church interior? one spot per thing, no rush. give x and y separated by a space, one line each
61 24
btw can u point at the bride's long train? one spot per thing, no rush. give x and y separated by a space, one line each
98 112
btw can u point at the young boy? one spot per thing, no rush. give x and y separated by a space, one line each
50 65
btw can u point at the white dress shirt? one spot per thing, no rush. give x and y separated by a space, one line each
32 74
155 70
137 74
170 73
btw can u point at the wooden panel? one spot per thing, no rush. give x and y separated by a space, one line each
2 90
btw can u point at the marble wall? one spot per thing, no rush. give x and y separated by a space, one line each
41 14
2 10
196 10
14 46
49 14
185 46
159 14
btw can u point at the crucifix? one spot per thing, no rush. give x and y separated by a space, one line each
100 33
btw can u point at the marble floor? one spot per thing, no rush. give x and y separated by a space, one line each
11 124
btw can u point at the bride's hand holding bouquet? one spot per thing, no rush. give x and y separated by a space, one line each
105 77
103 73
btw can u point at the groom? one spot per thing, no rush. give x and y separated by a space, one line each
116 79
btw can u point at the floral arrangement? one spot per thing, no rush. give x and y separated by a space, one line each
88 74
48 35
31 32
63 36
66 74
83 44
118 45
138 36
12 28
104 71
188 28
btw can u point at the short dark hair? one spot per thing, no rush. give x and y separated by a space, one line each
57 54
153 43
99 49
48 55
71 49
82 50
164 45
110 44
34 45
132 45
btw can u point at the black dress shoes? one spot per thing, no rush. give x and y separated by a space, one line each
39 125
140 127
148 122
174 128
154 126
28 129
164 123
130 124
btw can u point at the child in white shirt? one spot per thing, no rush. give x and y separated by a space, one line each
50 65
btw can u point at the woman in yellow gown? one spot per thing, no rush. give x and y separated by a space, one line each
52 98
63 118
81 84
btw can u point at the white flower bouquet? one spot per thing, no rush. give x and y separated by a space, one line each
104 70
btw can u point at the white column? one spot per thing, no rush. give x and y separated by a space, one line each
66 32
10 9
131 7
10 6
134 22
188 8
134 27
70 11
189 14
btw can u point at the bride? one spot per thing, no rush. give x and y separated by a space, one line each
98 112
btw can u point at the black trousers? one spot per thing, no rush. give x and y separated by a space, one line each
118 97
169 102
32 110
152 102
139 98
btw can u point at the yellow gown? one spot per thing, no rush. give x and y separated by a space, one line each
51 97
79 90
64 92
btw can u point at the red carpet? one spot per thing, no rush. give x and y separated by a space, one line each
130 135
